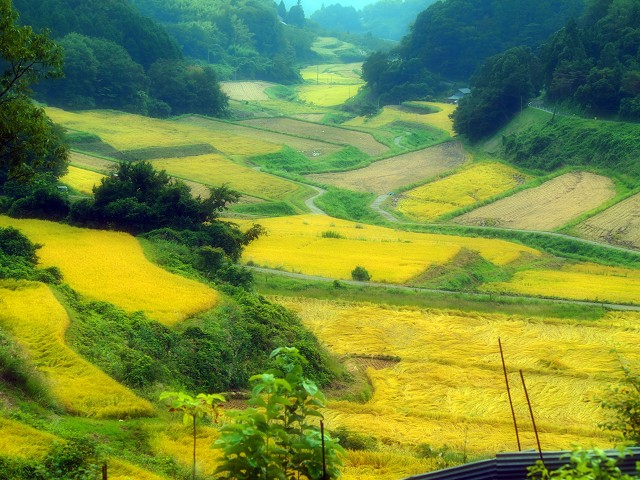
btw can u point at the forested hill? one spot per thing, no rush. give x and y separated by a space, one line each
451 39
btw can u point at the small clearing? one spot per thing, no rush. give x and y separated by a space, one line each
363 141
387 175
618 225
547 207
246 91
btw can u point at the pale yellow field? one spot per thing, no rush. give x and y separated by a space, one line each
246 91
326 95
216 170
125 131
363 141
122 470
38 322
591 283
547 207
90 162
394 113
82 180
333 73
472 184
111 266
22 441
386 175
448 388
295 244
330 47
618 225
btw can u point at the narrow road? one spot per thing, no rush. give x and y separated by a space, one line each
376 207
302 276
310 202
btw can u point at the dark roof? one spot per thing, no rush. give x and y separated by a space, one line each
513 466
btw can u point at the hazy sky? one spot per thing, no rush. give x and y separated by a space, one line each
310 6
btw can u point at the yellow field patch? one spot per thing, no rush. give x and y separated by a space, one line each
22 441
395 113
582 283
82 180
472 184
38 322
326 95
296 244
448 387
333 73
126 131
111 266
122 470
246 91
216 170
546 207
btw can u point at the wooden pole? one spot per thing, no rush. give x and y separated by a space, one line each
533 420
506 379
104 471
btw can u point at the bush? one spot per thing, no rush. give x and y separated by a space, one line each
360 274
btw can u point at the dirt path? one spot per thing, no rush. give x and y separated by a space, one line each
376 207
310 202
302 276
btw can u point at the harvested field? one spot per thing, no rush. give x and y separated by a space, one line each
333 73
387 175
327 95
546 207
90 162
395 113
216 170
246 91
309 147
618 225
81 180
472 184
448 387
363 141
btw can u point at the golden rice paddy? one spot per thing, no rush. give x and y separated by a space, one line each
333 73
38 322
473 184
326 95
82 180
215 170
296 244
122 470
448 387
111 266
22 441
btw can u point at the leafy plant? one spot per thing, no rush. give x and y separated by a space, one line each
360 274
583 465
623 403
276 438
193 408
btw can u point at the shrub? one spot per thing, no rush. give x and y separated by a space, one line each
360 274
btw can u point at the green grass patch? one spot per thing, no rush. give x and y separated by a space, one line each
420 108
266 209
281 92
289 161
348 205
168 152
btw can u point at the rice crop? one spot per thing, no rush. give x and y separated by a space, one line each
125 131
122 470
546 207
22 441
215 170
246 91
38 322
81 180
617 225
395 113
595 284
386 175
89 162
472 184
448 387
333 73
111 266
296 244
326 95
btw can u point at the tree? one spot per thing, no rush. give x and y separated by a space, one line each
25 131
360 274
623 403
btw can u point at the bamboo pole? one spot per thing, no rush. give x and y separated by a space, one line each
506 379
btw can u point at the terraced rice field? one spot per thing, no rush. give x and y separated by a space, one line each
326 95
89 162
547 207
81 180
592 283
111 266
246 91
386 175
448 388
333 73
618 225
125 131
297 244
363 141
38 322
18 440
473 184
395 113
309 147
216 170
330 47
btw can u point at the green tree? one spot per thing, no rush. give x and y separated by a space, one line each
623 403
26 57
583 465
278 437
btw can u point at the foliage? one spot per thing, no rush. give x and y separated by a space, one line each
276 437
348 205
623 404
18 259
27 141
583 465
360 274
